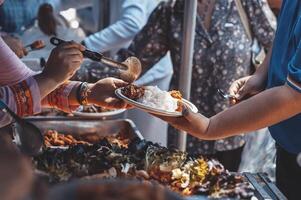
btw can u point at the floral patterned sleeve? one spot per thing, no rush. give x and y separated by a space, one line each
151 43
260 24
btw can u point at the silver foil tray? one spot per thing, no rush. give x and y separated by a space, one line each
81 127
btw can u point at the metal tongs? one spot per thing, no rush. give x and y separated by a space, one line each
130 69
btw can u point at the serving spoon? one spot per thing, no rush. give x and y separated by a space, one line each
27 136
129 70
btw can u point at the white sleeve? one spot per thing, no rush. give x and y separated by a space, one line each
134 16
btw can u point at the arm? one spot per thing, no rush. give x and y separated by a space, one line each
267 108
133 18
152 42
23 98
102 93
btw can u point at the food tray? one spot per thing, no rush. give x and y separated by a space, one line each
78 126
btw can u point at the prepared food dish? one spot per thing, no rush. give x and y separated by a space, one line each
142 160
53 138
153 97
94 109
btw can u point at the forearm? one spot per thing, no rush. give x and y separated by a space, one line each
64 97
265 109
117 35
264 67
46 84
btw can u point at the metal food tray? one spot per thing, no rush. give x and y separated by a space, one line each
79 127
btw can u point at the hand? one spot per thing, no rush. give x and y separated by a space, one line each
247 86
63 62
194 124
103 93
16 45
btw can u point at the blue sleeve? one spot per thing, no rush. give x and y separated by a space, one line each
133 17
294 70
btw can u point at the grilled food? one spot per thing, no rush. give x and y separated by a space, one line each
112 157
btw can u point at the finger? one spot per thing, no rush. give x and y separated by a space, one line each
72 51
71 44
242 92
170 120
234 88
120 83
74 58
115 103
189 114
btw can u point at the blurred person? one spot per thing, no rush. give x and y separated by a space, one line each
275 103
222 54
48 26
15 170
17 16
127 20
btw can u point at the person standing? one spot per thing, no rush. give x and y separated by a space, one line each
222 54
127 18
276 102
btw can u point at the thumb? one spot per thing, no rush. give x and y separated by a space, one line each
243 91
189 114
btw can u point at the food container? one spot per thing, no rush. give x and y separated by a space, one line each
106 115
78 126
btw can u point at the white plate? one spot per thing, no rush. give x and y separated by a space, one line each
154 110
79 113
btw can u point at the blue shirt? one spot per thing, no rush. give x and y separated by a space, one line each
285 68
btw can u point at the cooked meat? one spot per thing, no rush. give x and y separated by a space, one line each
133 91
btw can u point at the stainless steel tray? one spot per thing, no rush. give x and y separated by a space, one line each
78 126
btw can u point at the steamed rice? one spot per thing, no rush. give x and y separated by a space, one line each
156 98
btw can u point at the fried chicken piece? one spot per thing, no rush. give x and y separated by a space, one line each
133 91
176 94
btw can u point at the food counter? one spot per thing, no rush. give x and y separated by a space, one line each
134 158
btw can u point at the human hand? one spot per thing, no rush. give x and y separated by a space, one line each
103 93
193 123
247 86
16 45
63 61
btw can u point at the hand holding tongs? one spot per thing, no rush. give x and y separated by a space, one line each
130 69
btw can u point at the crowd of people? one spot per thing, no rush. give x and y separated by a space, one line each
237 48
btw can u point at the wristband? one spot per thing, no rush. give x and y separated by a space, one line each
82 93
